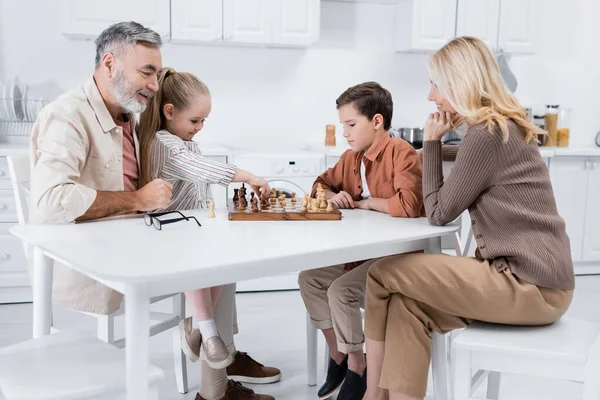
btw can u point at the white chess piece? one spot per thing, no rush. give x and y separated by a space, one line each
211 206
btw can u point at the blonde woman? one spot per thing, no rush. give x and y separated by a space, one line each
522 273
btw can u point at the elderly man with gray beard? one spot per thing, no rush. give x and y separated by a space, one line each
85 165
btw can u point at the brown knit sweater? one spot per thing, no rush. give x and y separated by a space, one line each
506 188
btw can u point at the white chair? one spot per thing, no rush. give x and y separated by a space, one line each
67 366
568 349
19 170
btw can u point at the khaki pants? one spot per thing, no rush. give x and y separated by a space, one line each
333 297
409 296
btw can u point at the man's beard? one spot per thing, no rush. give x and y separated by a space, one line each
125 96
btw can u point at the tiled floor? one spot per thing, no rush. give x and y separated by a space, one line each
272 329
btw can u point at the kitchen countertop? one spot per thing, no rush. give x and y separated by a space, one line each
9 149
546 152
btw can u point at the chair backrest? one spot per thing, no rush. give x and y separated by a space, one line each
18 167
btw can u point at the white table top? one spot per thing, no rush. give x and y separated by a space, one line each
125 250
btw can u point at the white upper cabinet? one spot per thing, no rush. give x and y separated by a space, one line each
424 25
517 33
296 22
86 19
591 235
246 21
479 18
263 22
197 20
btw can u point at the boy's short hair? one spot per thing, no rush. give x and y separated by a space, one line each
369 98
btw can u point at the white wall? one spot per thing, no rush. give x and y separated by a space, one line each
284 97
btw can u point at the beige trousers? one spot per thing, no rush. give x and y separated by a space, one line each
213 382
333 297
409 296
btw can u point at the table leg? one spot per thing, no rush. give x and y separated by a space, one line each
42 293
137 348
435 246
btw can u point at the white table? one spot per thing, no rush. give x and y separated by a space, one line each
141 262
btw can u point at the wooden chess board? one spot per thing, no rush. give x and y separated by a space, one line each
292 212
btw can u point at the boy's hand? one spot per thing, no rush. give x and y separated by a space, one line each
363 204
343 200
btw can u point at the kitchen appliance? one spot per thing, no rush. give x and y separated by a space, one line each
286 172
414 136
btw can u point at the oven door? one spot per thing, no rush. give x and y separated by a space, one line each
287 187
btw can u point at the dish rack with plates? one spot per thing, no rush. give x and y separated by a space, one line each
17 116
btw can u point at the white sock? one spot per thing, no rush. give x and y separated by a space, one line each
208 328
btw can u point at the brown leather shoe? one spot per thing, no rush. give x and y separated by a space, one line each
191 339
245 369
236 391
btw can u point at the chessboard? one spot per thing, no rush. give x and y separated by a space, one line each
281 208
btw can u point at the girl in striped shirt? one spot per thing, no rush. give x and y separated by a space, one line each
173 117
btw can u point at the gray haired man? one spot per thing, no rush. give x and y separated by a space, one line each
85 165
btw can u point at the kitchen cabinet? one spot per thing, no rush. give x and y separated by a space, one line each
15 286
591 235
199 20
424 25
86 19
267 22
480 19
517 26
507 25
569 182
576 184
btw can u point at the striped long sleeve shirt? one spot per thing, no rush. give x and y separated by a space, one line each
181 163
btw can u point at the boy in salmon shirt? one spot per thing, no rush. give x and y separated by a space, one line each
378 173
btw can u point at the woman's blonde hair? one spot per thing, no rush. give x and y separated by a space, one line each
176 88
467 74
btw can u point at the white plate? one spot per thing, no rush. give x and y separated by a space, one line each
3 115
8 103
17 95
26 116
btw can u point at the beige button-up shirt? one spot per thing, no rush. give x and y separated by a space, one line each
76 149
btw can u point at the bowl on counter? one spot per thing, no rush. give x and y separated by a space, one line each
414 136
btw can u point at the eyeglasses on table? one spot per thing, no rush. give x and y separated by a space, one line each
152 219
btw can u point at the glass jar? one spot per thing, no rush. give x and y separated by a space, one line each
539 121
551 121
563 127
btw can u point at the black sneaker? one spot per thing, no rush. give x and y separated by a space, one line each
354 386
335 377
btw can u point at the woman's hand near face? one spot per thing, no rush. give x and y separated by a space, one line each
437 125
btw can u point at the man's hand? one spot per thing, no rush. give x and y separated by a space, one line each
260 186
156 195
343 200
437 125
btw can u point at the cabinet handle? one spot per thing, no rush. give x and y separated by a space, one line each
4 256
2 173
593 164
586 165
3 206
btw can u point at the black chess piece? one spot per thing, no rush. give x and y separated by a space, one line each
236 196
